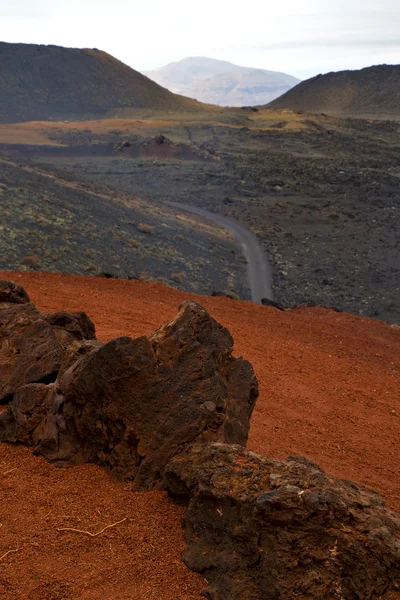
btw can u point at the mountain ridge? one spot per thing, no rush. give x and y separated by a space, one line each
39 82
367 93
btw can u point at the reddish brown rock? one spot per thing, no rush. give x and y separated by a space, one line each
261 529
26 414
30 351
32 344
133 404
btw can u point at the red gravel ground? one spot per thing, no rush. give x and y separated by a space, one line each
329 390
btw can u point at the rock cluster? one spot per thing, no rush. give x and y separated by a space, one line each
171 410
33 345
130 405
162 147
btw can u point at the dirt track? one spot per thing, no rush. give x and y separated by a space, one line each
329 389
259 271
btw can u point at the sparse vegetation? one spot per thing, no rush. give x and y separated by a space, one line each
178 277
145 228
99 233
32 261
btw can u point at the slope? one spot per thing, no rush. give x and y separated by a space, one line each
50 82
373 92
329 387
52 221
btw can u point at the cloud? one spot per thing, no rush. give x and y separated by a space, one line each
326 43
26 9
308 37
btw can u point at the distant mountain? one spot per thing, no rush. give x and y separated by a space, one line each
221 82
50 82
243 88
373 92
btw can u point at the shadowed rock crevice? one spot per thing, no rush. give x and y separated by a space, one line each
7 400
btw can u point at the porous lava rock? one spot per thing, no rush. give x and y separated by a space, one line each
131 405
262 529
32 344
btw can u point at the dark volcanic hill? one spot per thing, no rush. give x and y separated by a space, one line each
373 92
53 83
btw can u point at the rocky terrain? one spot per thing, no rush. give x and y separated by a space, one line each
370 93
221 82
320 192
46 83
258 528
54 222
326 213
255 527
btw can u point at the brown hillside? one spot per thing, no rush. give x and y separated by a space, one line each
49 82
329 390
373 92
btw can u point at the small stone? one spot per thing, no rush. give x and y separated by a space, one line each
209 406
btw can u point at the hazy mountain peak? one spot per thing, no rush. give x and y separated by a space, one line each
221 82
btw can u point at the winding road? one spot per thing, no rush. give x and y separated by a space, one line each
258 267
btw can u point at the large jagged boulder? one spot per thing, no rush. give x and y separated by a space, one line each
32 345
133 404
261 529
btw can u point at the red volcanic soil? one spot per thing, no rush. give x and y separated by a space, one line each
329 390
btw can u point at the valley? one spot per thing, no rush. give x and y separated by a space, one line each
200 312
321 192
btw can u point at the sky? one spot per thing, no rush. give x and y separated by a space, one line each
299 37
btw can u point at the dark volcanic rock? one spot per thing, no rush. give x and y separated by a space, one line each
32 344
133 404
23 421
69 326
261 529
216 294
12 293
269 302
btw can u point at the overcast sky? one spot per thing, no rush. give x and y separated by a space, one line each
301 38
